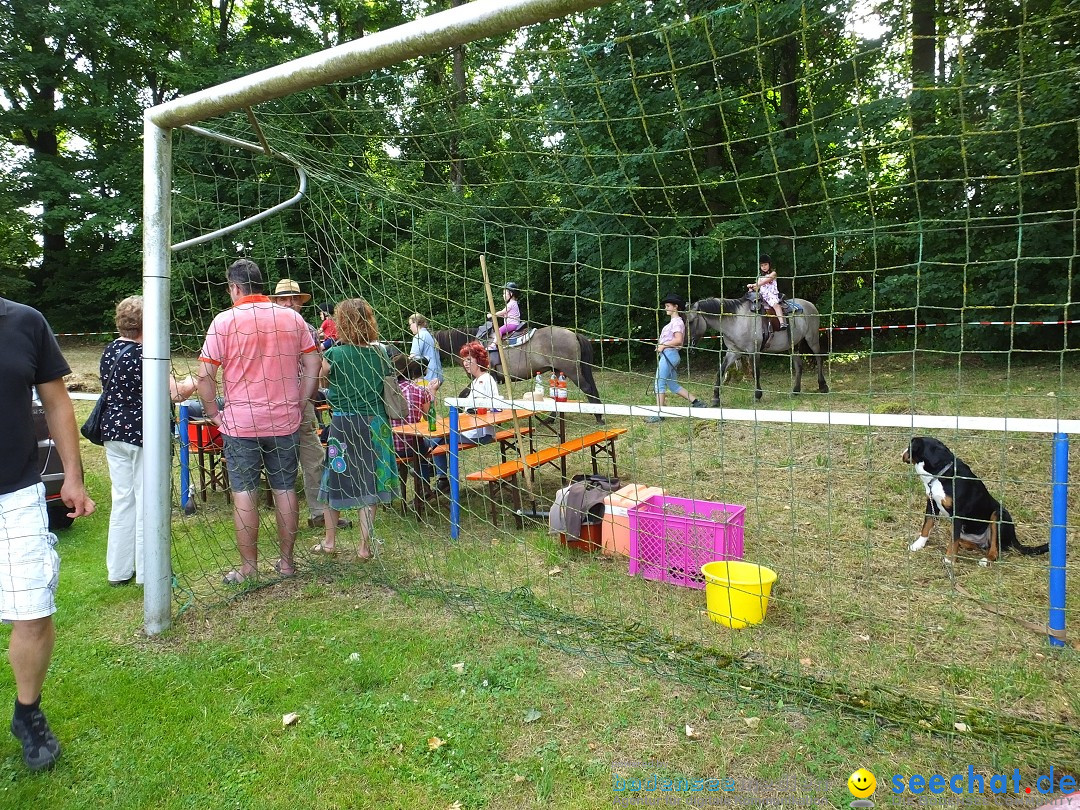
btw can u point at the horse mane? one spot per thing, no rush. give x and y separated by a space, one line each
708 306
717 306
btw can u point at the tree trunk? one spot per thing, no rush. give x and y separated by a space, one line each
789 107
457 172
923 53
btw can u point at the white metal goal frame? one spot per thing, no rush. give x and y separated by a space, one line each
438 32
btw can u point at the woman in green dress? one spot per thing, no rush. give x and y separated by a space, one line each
360 468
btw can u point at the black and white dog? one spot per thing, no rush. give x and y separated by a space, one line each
954 491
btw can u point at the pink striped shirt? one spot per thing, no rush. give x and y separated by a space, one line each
258 345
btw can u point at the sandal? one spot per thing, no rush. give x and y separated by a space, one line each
233 578
328 551
279 568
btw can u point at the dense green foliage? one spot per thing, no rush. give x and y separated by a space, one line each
601 161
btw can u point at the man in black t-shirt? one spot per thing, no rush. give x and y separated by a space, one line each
29 565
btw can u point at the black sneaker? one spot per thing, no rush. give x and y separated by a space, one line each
40 747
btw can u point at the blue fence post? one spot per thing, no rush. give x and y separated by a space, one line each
455 486
186 503
1058 522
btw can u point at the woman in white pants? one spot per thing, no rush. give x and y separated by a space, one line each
122 430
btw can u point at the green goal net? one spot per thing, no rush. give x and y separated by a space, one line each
919 186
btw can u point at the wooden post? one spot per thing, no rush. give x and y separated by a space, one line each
528 471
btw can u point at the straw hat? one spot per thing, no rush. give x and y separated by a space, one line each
290 288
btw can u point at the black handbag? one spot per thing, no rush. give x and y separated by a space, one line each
91 428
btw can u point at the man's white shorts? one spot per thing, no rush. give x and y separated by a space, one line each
29 565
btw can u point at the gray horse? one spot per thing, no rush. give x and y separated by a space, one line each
550 348
742 333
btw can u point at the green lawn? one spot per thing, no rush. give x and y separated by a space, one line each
504 671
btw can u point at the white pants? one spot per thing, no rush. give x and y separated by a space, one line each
124 555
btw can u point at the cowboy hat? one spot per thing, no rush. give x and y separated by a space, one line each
288 287
672 298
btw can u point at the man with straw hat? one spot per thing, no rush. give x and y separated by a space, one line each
312 455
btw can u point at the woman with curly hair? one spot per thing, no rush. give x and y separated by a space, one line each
360 468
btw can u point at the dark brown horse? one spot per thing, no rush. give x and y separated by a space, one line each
551 348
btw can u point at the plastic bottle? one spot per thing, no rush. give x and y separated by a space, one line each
538 387
553 386
561 390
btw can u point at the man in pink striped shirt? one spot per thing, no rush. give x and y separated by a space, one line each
258 347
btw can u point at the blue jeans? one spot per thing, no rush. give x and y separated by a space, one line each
665 371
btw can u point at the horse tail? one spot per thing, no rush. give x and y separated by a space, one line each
585 364
587 383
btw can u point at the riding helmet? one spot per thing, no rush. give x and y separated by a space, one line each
512 287
765 259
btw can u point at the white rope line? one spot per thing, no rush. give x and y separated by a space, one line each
901 421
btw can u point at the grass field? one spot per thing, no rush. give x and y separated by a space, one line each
419 683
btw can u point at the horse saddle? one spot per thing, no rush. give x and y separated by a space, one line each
770 324
519 337
486 332
759 307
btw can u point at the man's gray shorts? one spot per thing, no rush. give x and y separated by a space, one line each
245 460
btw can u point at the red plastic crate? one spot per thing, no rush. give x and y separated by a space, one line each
205 437
671 538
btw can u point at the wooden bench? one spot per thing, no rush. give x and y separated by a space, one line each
507 440
602 442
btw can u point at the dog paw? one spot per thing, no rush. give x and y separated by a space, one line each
985 563
918 544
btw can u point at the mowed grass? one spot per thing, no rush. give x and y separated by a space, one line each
194 719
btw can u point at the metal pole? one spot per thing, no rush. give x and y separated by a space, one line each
437 32
157 436
186 501
1058 522
455 484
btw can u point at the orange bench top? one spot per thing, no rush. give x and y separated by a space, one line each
509 469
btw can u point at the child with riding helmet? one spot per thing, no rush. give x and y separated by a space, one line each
511 313
766 286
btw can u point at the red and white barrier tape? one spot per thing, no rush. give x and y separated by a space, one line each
823 329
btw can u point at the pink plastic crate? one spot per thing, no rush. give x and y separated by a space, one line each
671 538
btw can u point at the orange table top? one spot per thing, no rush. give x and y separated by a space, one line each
465 422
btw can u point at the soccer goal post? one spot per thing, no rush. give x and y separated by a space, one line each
606 172
437 32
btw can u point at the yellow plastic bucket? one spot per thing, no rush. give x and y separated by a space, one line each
737 593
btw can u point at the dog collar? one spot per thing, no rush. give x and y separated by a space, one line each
945 469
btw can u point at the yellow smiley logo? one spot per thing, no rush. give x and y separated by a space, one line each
862 784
